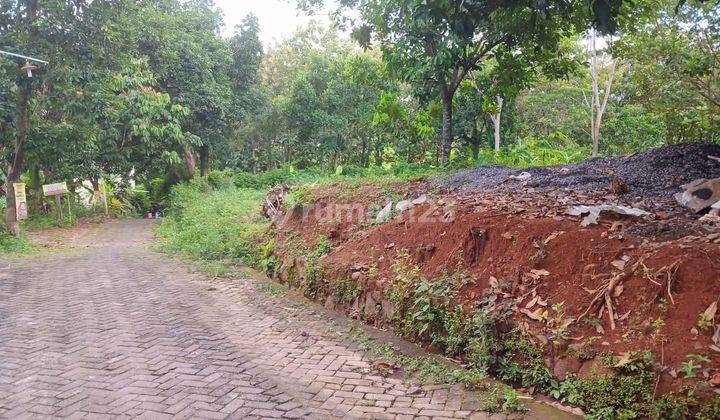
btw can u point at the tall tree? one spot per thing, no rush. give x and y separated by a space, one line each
191 63
24 31
439 43
605 68
673 60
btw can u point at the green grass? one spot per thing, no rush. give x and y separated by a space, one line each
206 224
11 246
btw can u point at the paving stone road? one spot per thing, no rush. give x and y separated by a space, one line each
119 331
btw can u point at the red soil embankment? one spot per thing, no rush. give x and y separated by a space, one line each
544 257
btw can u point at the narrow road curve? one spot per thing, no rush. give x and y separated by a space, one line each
121 331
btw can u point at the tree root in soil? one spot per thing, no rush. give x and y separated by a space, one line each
603 299
668 272
604 295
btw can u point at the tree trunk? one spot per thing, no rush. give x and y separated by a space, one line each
496 124
57 198
256 162
447 129
204 160
16 163
363 152
189 159
288 153
270 160
38 188
475 140
598 104
95 190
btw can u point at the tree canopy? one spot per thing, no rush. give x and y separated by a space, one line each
150 91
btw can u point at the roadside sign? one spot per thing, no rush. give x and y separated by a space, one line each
21 209
59 188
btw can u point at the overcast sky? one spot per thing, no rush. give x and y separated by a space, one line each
278 18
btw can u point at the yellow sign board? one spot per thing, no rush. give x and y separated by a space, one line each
21 208
55 189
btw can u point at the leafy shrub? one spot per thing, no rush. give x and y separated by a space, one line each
520 361
247 180
314 286
268 260
140 200
612 397
211 224
158 190
220 180
12 245
531 151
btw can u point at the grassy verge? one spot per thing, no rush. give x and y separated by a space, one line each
13 247
215 227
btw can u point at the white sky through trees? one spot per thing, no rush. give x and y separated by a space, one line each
278 18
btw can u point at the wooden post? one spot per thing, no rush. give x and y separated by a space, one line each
69 209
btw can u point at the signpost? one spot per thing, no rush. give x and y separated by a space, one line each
21 209
57 190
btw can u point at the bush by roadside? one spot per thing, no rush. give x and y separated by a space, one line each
212 224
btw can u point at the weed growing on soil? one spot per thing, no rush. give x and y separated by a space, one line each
214 268
315 286
558 322
675 405
345 291
9 245
271 288
540 251
508 402
268 260
705 323
424 308
690 367
299 197
425 368
627 394
521 362
613 397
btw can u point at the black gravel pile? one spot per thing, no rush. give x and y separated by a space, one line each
657 173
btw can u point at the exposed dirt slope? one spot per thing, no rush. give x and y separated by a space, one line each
528 255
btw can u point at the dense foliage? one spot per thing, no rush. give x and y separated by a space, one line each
149 91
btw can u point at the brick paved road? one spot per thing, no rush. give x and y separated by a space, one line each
120 331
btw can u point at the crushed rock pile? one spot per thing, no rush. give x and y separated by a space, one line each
658 173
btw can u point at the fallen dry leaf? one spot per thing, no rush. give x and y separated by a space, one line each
624 359
507 235
553 236
537 315
619 264
532 302
709 314
715 379
540 272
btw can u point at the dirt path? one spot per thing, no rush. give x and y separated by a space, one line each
116 330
